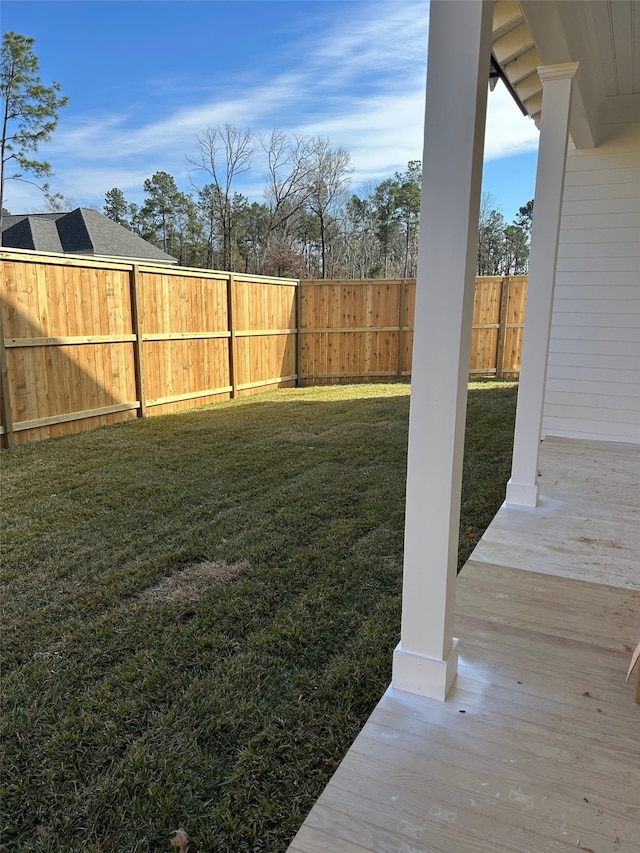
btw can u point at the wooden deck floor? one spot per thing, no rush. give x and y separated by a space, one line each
538 746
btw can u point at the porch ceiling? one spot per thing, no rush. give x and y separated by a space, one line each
602 35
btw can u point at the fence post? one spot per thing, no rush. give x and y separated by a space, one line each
401 312
7 418
298 332
502 327
232 335
136 328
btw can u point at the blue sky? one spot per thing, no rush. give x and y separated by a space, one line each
145 77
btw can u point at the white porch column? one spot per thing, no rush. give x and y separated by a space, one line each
425 661
522 488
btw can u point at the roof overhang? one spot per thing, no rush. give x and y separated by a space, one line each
601 35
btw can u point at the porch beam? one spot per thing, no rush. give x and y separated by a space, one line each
425 661
522 488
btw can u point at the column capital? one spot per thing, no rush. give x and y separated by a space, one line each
560 71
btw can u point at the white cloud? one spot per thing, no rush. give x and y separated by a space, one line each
508 131
383 38
382 133
360 83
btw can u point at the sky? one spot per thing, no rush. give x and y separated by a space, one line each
145 77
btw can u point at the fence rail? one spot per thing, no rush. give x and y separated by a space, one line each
86 342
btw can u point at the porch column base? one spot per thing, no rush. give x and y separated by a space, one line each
425 676
521 494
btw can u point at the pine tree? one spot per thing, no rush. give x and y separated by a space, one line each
29 111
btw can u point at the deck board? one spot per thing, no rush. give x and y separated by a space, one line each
537 747
586 525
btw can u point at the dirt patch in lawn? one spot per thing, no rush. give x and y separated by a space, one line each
192 583
382 546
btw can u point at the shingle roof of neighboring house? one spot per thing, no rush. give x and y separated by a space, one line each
30 233
83 231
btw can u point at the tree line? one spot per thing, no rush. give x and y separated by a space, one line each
309 225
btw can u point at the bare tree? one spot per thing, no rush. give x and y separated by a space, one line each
289 163
329 182
59 203
224 152
359 238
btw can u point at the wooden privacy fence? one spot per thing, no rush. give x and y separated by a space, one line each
362 329
87 342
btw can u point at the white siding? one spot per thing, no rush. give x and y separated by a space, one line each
593 377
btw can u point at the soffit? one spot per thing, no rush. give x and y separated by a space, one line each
602 35
515 50
613 29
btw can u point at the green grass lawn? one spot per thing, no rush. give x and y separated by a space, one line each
199 612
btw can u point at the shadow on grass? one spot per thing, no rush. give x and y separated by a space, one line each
225 714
